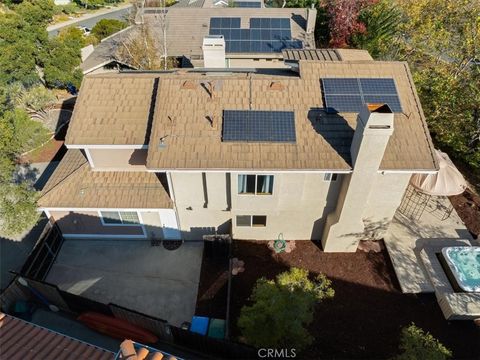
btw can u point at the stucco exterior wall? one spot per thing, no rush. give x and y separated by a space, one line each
88 222
383 202
118 159
296 209
153 224
257 63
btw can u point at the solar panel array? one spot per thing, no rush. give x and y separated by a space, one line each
349 94
247 4
258 126
265 35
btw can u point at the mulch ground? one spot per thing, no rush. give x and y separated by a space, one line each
365 317
467 206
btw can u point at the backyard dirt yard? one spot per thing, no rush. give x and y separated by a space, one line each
368 311
467 206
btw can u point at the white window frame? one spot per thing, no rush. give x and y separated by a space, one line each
255 193
330 177
251 221
140 221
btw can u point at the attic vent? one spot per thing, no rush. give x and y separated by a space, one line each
189 85
275 85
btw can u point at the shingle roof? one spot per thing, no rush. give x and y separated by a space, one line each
74 184
111 112
183 106
24 341
323 140
186 27
311 54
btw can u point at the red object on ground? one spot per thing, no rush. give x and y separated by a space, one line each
116 328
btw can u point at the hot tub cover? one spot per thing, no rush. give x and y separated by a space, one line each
447 181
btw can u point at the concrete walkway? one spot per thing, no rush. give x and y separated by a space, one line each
406 238
89 20
132 274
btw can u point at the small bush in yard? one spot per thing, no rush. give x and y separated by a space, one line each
107 27
282 308
416 344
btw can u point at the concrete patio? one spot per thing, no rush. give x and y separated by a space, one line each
407 237
132 274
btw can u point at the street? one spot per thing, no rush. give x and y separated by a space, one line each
90 20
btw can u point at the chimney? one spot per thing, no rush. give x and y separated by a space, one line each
311 19
214 51
344 227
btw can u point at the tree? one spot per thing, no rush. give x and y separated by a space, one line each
440 39
382 21
344 21
282 308
36 12
60 63
107 27
19 44
18 208
142 51
416 344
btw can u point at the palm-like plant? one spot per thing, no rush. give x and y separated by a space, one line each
381 22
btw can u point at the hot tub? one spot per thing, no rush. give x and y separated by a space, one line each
464 264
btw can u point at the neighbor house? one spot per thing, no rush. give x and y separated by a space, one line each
321 151
219 37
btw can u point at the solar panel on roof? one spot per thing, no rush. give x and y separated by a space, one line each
265 35
247 4
349 94
378 86
258 126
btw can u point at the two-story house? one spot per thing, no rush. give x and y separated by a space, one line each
323 151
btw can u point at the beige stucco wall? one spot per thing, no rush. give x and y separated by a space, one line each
88 222
387 194
296 209
258 63
118 159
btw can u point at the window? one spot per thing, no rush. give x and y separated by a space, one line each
119 217
244 220
329 177
259 220
255 184
251 221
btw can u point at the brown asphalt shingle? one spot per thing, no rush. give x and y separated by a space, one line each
183 106
323 141
111 112
75 185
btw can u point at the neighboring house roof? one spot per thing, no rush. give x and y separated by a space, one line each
104 53
186 27
73 184
188 3
23 340
112 112
322 140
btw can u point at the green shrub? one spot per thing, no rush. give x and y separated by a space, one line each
416 344
107 27
282 309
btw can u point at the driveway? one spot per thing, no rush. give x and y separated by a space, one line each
132 274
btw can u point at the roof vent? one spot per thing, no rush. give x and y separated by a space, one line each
276 85
189 85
